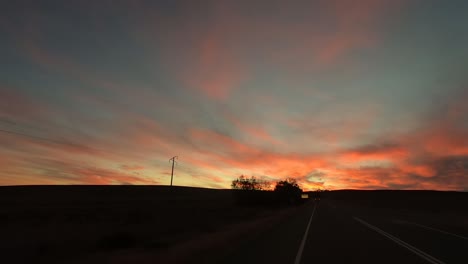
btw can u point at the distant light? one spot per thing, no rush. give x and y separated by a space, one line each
305 196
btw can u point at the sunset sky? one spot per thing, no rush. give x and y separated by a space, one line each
336 94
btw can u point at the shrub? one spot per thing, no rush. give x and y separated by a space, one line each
288 191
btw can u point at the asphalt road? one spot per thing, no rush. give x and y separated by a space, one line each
345 233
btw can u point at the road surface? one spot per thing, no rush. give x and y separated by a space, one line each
332 232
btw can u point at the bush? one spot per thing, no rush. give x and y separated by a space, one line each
288 191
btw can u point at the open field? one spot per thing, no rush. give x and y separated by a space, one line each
64 223
160 224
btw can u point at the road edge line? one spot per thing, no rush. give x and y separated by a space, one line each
402 243
435 229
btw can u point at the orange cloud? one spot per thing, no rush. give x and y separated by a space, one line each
226 151
105 177
132 167
384 152
447 136
444 133
425 170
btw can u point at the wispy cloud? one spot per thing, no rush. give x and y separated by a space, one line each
272 90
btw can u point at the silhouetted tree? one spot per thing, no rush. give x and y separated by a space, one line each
265 185
288 191
252 191
252 184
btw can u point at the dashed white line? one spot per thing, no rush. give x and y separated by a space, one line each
304 238
402 243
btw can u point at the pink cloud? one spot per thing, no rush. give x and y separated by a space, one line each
256 131
16 104
216 73
355 27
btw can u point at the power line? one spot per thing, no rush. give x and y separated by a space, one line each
31 136
63 143
173 159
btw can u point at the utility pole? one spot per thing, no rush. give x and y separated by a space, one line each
172 172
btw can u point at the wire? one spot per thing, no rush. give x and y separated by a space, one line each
30 136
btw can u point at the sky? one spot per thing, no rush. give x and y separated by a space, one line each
336 94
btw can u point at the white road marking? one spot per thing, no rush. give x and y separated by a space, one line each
434 229
402 243
304 238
